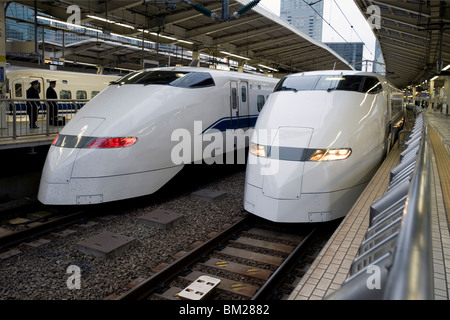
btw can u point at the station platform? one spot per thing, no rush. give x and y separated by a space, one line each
331 268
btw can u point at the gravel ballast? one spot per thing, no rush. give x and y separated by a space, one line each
46 272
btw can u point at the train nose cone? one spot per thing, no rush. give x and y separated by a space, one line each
60 160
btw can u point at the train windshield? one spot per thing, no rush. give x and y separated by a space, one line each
172 78
330 82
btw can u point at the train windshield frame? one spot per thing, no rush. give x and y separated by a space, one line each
355 83
180 79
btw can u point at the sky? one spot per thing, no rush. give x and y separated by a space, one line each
361 31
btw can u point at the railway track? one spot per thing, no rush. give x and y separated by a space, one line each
251 260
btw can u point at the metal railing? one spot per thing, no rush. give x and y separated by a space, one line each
394 261
15 122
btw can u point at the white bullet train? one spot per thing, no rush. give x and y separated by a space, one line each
317 143
138 133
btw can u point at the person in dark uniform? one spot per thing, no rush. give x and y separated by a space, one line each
52 107
32 106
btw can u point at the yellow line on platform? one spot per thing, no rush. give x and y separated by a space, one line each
443 164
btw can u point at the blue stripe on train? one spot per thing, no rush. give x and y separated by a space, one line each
21 108
226 123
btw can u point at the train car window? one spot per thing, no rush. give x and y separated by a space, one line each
194 80
338 82
296 83
65 94
81 94
234 98
18 90
260 100
244 93
372 85
173 78
94 93
324 82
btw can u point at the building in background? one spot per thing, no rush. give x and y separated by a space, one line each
305 17
350 51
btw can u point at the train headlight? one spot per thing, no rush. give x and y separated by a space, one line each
330 154
258 150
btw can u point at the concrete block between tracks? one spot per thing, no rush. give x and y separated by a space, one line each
105 244
208 195
161 219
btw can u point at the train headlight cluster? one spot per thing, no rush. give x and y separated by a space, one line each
330 154
72 141
103 143
258 150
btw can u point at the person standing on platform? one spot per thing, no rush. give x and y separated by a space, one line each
52 107
32 106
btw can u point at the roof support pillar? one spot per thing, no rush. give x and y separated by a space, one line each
2 64
195 59
446 98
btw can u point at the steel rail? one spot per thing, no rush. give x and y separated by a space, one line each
150 285
280 273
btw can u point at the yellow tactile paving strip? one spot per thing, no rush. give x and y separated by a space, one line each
443 164
331 267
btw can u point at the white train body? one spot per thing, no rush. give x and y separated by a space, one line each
141 120
318 141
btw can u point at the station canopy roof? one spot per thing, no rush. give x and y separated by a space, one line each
257 36
414 35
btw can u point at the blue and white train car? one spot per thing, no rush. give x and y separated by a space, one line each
69 85
317 143
140 131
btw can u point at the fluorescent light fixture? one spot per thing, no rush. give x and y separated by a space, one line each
234 55
125 25
263 66
446 68
185 41
434 78
101 19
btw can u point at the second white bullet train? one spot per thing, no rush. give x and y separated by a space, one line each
138 133
318 141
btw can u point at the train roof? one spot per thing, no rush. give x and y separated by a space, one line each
338 72
216 73
36 72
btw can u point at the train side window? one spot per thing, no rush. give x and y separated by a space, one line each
18 90
260 100
94 93
244 93
234 98
65 94
81 94
372 85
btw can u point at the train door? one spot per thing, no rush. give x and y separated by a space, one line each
244 105
239 104
234 104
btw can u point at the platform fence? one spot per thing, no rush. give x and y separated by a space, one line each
394 261
15 122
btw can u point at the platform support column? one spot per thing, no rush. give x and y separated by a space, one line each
241 66
2 63
195 59
432 96
446 98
